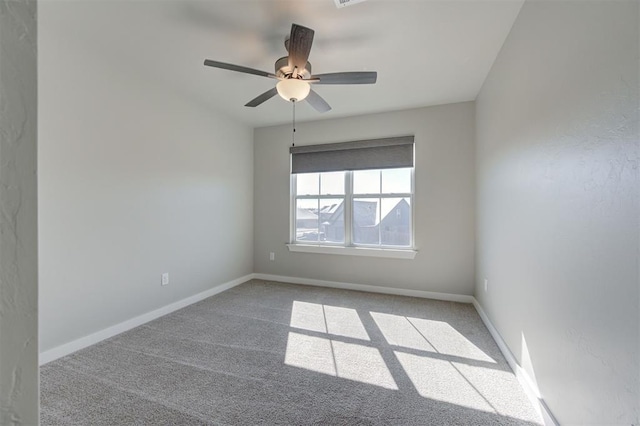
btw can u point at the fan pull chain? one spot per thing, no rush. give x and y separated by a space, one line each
293 133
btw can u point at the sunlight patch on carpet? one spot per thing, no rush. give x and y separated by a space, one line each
398 331
440 380
362 364
345 360
308 316
344 322
447 340
427 335
328 319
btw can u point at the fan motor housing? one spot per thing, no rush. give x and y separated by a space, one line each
283 70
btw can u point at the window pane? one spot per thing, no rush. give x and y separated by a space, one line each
307 220
307 183
366 182
396 181
332 220
395 226
332 183
366 217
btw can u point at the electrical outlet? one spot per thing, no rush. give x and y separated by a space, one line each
486 284
165 278
272 256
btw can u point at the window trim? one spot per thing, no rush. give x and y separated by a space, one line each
348 247
353 251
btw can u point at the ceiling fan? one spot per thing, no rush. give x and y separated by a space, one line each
294 73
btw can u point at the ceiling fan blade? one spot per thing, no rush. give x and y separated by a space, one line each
317 102
299 45
238 68
262 98
363 77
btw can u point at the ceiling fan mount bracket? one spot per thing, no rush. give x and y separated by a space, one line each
283 70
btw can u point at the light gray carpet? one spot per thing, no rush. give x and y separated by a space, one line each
272 353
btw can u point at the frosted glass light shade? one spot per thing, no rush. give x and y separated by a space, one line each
293 89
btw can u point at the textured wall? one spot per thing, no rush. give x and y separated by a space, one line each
558 213
444 200
135 179
18 200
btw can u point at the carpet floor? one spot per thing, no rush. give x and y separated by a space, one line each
273 353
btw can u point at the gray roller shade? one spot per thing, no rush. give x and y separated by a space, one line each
383 153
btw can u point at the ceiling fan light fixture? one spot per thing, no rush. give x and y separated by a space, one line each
293 89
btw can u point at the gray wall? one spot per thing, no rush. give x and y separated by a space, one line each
557 199
444 197
18 214
135 180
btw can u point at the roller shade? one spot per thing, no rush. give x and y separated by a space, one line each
386 153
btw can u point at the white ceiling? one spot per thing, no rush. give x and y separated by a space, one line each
426 52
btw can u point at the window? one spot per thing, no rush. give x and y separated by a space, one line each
347 195
375 205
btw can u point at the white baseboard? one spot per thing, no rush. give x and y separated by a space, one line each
83 342
462 298
529 386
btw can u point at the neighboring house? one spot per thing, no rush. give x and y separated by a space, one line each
332 222
394 229
305 218
364 217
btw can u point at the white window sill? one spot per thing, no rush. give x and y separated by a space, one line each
353 251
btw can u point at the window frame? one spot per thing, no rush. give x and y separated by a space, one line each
349 247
